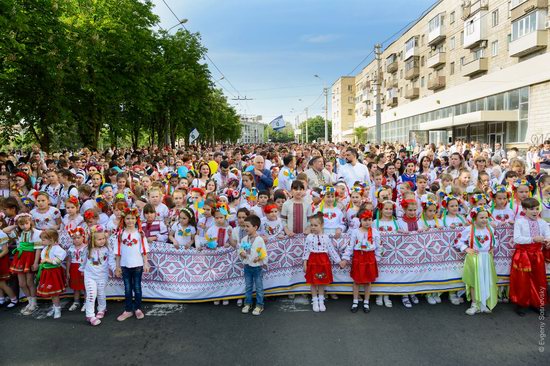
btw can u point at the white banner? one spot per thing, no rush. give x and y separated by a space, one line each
417 263
278 123
193 135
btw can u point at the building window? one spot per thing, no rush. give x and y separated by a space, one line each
478 54
422 82
462 37
462 60
422 61
470 27
495 17
422 41
452 43
411 43
350 88
515 3
435 23
452 17
350 112
401 74
350 99
525 25
494 48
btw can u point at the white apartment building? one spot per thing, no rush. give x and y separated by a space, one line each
252 130
473 69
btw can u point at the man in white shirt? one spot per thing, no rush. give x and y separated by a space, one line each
353 171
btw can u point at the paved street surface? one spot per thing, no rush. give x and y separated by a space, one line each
287 333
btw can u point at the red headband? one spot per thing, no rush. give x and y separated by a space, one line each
406 203
198 190
74 201
22 175
366 215
269 208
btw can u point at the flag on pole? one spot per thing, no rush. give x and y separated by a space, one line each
278 123
193 136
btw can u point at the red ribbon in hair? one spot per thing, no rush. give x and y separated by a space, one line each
269 208
73 200
406 203
22 175
198 190
89 214
366 215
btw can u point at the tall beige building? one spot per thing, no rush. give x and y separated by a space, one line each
343 106
474 70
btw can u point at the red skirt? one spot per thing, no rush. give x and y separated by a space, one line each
76 279
528 276
364 268
52 282
319 269
23 263
4 268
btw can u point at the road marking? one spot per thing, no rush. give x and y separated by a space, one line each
299 304
165 309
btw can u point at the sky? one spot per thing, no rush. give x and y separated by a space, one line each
270 50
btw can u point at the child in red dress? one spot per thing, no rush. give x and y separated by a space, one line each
75 257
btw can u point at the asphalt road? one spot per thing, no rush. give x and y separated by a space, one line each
287 333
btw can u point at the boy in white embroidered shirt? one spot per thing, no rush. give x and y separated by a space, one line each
253 253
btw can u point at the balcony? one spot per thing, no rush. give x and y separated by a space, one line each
475 67
436 29
436 60
436 83
529 43
412 93
525 7
391 101
412 73
475 30
391 67
411 48
392 82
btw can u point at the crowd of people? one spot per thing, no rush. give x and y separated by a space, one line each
71 220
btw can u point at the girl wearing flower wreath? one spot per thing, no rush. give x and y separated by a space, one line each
131 253
182 233
521 189
478 242
332 216
451 218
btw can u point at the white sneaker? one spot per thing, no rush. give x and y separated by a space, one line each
57 312
414 299
322 306
315 304
225 302
216 303
29 309
51 311
257 310
83 309
379 300
454 298
437 297
474 309
430 299
239 302
406 302
387 301
245 309
74 306
291 296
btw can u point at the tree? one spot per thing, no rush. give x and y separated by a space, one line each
316 128
285 134
360 134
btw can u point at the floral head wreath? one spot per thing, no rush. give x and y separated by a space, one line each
521 182
381 204
365 215
130 211
409 161
328 189
270 208
343 184
96 229
229 192
21 215
448 198
428 200
407 203
500 189
476 211
77 230
222 208
231 181
187 211
22 175
357 188
120 196
89 214
379 190
198 190
476 197
74 201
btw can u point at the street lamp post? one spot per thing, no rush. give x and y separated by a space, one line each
325 91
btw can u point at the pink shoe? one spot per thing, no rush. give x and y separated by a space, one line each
139 314
93 321
101 314
125 315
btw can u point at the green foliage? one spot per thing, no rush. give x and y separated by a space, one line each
316 128
360 134
283 135
81 72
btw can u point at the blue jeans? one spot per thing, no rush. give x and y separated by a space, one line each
254 276
132 288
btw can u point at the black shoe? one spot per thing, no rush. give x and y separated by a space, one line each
520 311
354 307
366 308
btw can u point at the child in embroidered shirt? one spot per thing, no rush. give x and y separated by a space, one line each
263 198
154 196
408 223
5 271
26 257
429 212
248 184
206 219
296 210
450 217
53 188
528 273
501 211
67 180
478 242
253 253
154 229
239 232
182 233
364 241
356 200
521 190
75 256
131 254
70 221
50 276
97 264
44 215
342 191
421 185
179 202
271 226
333 224
317 267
